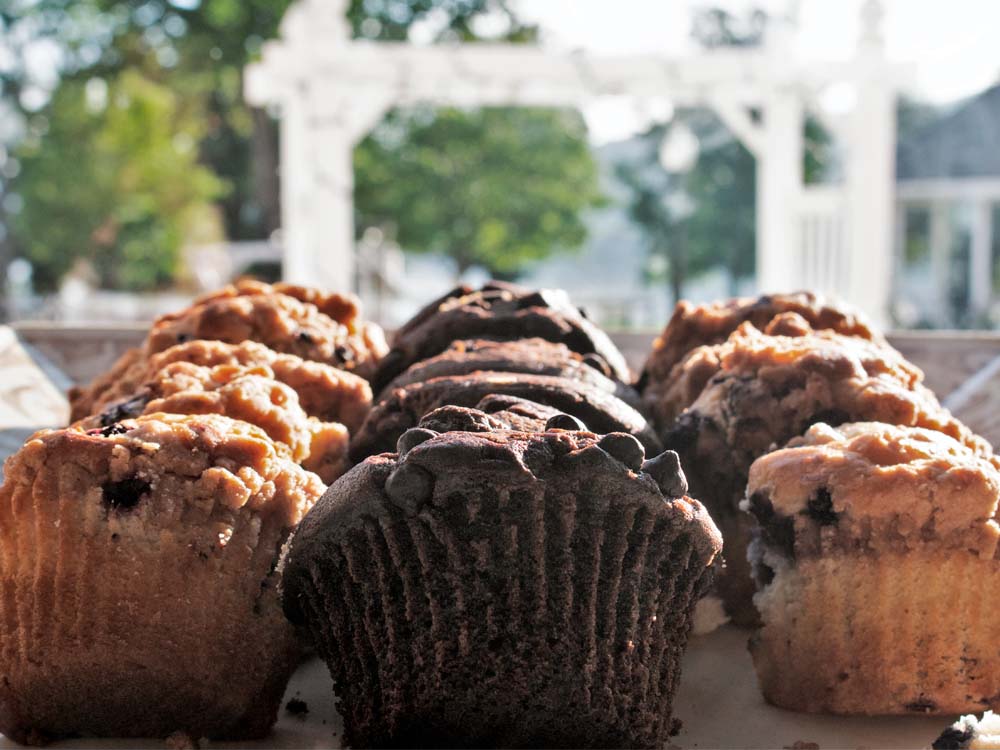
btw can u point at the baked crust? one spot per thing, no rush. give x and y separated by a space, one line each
325 392
403 408
138 582
250 394
502 312
533 589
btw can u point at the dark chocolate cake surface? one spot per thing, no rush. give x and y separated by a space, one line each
504 589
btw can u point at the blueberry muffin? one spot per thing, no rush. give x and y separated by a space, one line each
403 408
694 325
503 313
138 583
325 392
250 394
533 356
875 553
971 733
258 312
503 589
768 389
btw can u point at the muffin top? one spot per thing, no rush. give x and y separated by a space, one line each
495 413
327 393
433 471
882 485
250 394
259 312
667 398
165 470
534 356
403 408
694 325
502 312
769 389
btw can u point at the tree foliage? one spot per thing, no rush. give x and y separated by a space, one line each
113 182
494 187
198 49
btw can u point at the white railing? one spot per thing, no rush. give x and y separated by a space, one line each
824 259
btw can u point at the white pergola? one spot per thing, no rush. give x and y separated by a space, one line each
331 90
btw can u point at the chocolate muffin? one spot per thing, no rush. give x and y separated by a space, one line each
501 313
694 325
532 356
503 589
875 550
403 408
138 581
325 392
497 413
250 394
768 390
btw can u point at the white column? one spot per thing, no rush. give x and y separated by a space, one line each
296 193
779 184
981 257
940 242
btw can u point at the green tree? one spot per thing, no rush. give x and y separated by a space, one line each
114 182
199 48
719 228
493 187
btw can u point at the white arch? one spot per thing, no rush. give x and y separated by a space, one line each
332 90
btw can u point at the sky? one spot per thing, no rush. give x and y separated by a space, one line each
951 45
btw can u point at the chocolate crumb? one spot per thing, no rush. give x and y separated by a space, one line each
676 725
297 707
921 705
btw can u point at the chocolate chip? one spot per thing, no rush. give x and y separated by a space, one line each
127 409
343 353
666 470
126 494
412 438
625 448
305 337
114 429
409 487
583 313
954 739
183 337
832 417
297 707
565 422
820 508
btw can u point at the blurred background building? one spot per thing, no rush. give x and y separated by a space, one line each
135 173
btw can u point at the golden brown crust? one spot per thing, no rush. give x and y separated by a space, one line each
250 394
887 485
257 312
138 588
694 325
325 392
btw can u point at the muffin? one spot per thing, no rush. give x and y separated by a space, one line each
971 733
495 413
694 325
875 552
768 390
325 392
532 356
503 589
403 408
250 394
287 319
258 312
138 586
502 313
